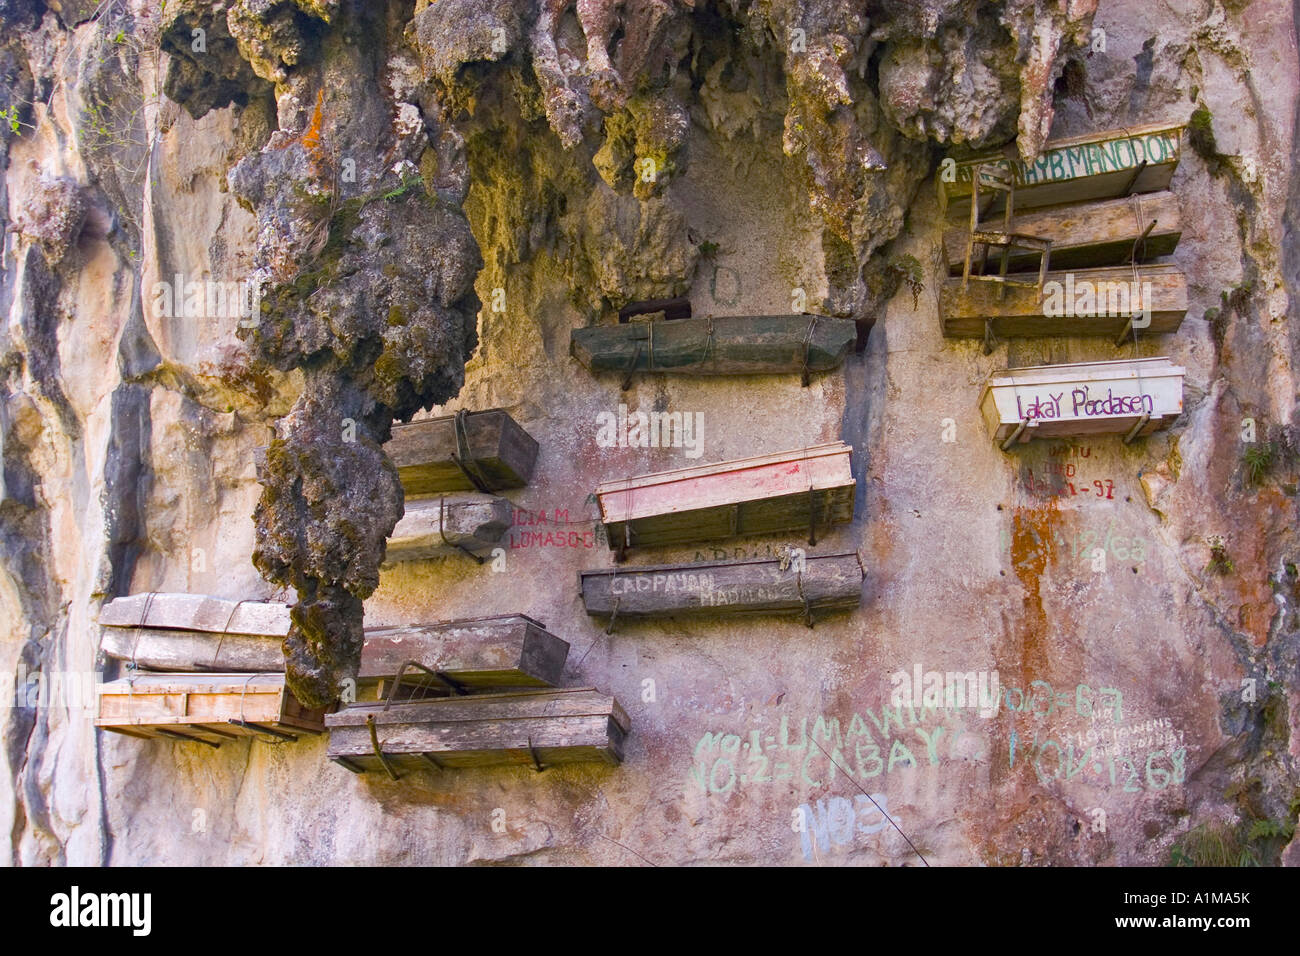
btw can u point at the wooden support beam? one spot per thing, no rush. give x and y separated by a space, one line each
1136 430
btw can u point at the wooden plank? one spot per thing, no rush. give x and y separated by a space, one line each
164 650
722 345
1092 398
827 582
559 726
1161 287
432 527
759 495
1093 166
425 451
187 702
506 651
1084 235
543 702
197 612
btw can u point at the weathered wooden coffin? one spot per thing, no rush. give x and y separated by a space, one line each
495 452
725 345
509 650
196 612
210 708
805 489
825 583
1132 397
1140 159
506 651
432 527
1086 235
1161 288
484 730
203 651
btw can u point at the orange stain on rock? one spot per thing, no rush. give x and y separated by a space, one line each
1033 532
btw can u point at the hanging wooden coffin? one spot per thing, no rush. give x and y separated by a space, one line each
196 612
1086 235
202 651
724 345
507 651
432 527
504 651
808 584
1131 397
804 489
471 451
536 729
194 632
209 708
1141 159
1084 302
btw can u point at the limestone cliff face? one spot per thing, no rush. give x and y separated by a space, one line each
429 197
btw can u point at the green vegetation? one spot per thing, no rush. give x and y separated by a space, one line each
10 116
1220 563
1200 135
909 271
1254 842
1258 461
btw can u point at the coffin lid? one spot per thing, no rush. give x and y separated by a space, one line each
1101 136
1155 367
632 482
384 629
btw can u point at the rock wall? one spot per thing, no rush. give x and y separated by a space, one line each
432 196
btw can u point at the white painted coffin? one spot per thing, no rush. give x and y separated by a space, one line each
1132 397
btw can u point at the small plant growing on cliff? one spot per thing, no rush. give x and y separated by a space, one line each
1220 563
1258 460
1212 845
909 271
1200 134
10 116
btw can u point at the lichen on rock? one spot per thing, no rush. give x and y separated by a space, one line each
367 276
